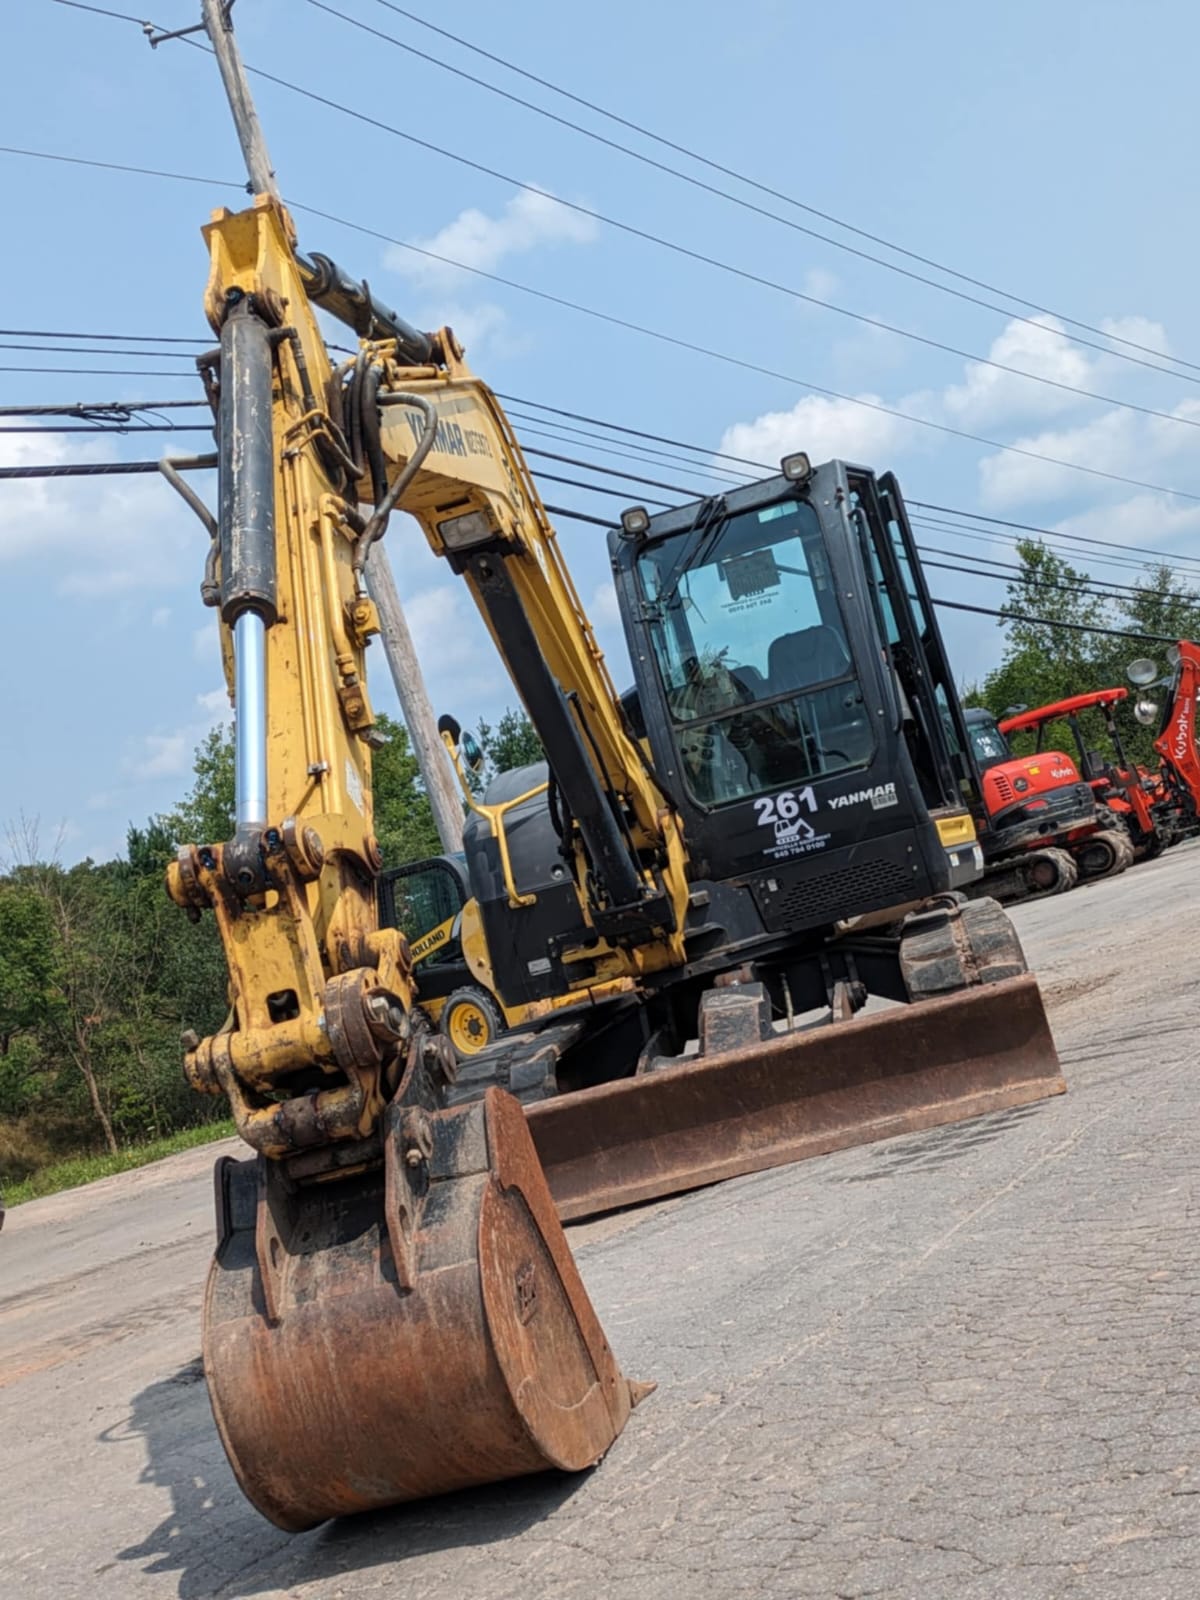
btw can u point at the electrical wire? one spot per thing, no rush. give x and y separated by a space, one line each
113 430
101 372
727 267
97 409
125 468
119 166
123 338
762 188
81 469
85 350
1182 566
656 334
1051 622
742 202
102 11
715 166
1057 533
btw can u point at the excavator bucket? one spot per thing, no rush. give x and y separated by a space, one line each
405 1331
770 1102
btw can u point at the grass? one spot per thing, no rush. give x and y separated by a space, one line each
76 1170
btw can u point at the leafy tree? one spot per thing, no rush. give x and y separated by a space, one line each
512 743
404 822
1047 660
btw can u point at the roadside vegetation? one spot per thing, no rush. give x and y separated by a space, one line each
100 973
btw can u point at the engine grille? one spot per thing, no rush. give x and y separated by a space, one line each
1003 788
805 899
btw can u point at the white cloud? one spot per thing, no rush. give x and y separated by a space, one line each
1139 330
102 536
531 219
1144 519
159 756
988 395
824 428
1118 441
457 657
478 327
820 283
605 613
216 703
206 642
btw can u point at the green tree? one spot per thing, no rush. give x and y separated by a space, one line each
512 743
404 824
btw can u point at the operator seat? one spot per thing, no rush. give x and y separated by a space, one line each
835 718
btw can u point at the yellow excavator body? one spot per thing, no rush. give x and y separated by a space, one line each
393 1310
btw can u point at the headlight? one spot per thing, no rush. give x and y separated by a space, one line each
1141 672
467 531
1146 712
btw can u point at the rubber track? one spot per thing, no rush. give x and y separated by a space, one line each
1018 866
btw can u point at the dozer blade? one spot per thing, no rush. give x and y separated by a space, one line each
405 1331
797 1095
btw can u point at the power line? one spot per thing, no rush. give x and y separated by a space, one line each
123 338
1057 533
101 11
1047 622
776 194
715 262
1027 581
85 350
111 372
736 361
125 468
94 469
113 430
118 166
99 408
1182 566
609 319
739 200
613 472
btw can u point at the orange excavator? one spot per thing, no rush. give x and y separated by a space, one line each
1173 792
1041 827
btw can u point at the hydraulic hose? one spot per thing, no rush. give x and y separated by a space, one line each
379 517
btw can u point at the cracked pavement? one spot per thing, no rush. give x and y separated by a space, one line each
958 1364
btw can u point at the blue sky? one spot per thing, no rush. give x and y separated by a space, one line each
1047 150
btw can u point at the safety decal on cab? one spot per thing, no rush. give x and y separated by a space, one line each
793 834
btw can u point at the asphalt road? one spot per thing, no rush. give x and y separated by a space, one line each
962 1364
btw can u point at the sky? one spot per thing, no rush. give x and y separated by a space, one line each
1042 150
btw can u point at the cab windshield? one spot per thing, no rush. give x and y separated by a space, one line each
988 744
751 644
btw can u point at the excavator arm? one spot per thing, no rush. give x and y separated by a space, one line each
392 1309
479 509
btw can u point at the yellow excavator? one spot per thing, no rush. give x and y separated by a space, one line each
769 829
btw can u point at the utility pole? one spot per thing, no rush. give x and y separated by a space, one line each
219 27
440 783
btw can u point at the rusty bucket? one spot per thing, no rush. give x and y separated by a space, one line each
406 1331
797 1095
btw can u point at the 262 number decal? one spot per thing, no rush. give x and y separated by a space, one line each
784 807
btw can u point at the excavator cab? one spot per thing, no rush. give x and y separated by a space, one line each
795 692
